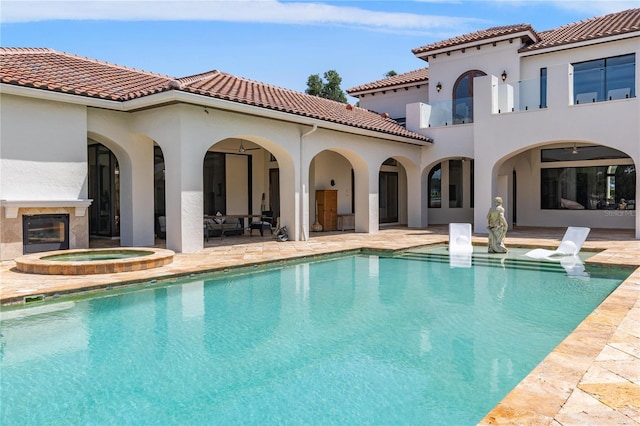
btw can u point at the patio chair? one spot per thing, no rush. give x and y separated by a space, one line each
266 222
460 238
460 248
570 245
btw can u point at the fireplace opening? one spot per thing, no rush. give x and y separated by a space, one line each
45 232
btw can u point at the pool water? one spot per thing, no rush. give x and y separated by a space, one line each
355 340
91 255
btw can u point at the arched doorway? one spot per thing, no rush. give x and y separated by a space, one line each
388 187
104 190
159 203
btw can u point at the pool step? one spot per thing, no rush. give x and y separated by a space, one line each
483 260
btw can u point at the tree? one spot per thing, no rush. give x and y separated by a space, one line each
314 85
329 88
390 73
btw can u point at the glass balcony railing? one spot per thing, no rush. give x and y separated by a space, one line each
451 112
525 95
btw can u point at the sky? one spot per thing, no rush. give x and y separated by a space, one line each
276 42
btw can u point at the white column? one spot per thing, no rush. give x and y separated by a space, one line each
414 197
364 198
483 196
136 195
184 202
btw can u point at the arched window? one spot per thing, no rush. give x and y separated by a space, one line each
435 186
463 97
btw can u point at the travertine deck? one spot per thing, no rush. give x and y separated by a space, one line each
592 377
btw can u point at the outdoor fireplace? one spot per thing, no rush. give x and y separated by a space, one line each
45 232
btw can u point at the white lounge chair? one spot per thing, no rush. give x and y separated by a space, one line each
570 245
460 238
574 267
460 248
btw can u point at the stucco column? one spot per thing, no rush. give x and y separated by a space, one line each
136 195
369 219
184 202
483 195
414 197
302 218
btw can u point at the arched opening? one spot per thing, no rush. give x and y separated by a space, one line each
159 194
449 194
463 97
570 184
434 182
241 178
104 190
393 188
332 203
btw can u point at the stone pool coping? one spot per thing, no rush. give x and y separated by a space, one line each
38 263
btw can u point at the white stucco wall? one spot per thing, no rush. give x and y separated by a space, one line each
393 101
44 150
489 59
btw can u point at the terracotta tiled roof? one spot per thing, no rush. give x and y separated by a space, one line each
627 21
47 69
477 36
61 72
228 87
412 77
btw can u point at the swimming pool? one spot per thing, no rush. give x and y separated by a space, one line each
360 339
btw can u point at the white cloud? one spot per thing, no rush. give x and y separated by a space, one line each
256 11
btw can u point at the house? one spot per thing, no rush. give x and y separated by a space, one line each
548 121
92 148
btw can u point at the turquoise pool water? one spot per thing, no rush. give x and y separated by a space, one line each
90 255
354 340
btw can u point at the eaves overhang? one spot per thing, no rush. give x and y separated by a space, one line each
175 97
396 87
524 52
474 44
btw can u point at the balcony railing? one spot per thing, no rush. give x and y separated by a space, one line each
451 112
525 95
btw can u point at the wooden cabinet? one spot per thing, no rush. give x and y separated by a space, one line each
327 200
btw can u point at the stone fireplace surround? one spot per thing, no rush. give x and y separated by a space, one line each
11 212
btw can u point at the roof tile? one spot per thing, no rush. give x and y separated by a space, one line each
627 21
476 36
412 77
47 69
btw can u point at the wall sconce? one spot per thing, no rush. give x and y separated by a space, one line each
504 75
333 182
438 87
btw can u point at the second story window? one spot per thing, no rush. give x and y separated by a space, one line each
463 97
604 79
543 87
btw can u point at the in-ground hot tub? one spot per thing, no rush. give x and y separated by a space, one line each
94 261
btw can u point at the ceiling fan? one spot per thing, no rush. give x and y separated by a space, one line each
241 148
